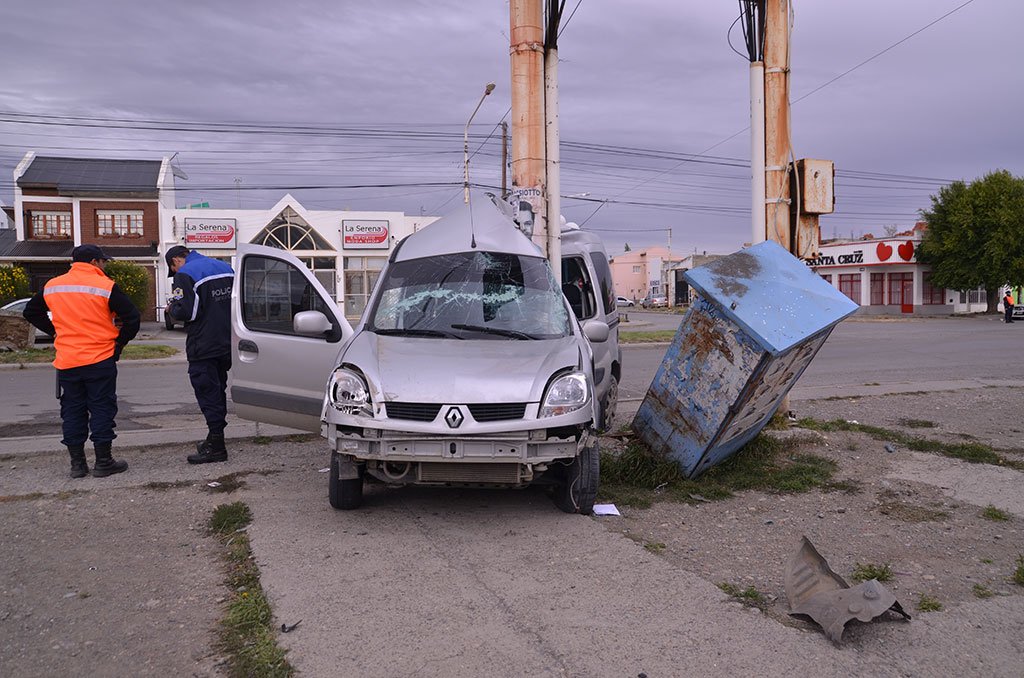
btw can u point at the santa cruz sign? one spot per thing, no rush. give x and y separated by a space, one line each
865 254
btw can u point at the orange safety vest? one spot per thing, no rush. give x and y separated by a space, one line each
79 302
1008 300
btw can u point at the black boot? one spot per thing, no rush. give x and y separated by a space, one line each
79 466
210 450
106 465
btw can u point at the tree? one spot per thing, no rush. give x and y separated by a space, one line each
133 280
13 284
975 235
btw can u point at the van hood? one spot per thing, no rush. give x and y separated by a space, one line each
453 371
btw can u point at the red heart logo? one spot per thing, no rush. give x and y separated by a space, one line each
883 251
906 250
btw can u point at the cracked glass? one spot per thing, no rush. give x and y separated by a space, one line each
470 295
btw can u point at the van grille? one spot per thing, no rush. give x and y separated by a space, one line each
498 412
413 411
506 474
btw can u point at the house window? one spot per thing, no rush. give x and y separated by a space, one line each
323 270
638 269
119 222
901 286
849 284
289 231
51 224
978 296
878 289
932 295
827 278
360 276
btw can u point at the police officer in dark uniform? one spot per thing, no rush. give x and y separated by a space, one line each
202 299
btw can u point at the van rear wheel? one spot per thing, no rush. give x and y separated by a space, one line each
609 405
578 487
345 494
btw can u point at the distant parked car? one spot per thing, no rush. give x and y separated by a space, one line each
654 301
623 301
17 308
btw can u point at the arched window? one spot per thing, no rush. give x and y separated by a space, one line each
289 231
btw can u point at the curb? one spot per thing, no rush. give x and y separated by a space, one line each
180 358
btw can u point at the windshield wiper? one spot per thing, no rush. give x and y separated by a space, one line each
515 334
413 332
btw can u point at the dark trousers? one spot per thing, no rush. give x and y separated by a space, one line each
210 382
88 401
1008 310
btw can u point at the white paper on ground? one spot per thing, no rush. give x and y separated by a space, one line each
606 510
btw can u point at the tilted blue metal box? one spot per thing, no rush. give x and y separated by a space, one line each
761 317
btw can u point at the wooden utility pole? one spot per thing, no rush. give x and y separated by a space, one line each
528 129
776 117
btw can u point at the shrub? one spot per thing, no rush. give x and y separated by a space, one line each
13 284
133 281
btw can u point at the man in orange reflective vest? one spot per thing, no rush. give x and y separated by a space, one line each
83 303
1008 307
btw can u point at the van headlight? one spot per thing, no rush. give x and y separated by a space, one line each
347 392
566 394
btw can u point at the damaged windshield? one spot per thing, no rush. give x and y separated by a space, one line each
470 295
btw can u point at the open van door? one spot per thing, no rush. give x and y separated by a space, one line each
286 333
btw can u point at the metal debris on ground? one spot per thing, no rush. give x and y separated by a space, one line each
288 628
814 590
761 317
890 448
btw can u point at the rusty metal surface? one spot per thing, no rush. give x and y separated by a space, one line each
816 591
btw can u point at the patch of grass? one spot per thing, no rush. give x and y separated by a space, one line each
1018 572
749 596
64 495
637 476
302 437
867 571
246 634
990 512
778 422
974 453
910 513
654 546
917 423
872 383
229 483
982 591
262 440
8 498
656 336
926 603
987 561
46 355
166 484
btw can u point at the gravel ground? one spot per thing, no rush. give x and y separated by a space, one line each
919 513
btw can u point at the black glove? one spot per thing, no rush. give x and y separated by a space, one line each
117 351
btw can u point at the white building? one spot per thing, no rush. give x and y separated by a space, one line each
345 249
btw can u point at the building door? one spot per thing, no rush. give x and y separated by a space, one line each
907 294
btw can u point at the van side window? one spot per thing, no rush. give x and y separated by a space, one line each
273 291
604 279
578 288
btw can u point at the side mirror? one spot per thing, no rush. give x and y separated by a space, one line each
596 331
311 324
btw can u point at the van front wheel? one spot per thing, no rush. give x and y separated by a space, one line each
578 487
344 494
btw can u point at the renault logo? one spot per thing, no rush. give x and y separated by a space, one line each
454 417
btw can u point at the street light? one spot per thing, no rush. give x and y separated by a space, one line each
465 140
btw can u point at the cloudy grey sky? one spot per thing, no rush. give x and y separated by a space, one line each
332 99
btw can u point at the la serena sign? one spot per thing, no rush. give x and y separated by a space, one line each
365 234
210 233
866 253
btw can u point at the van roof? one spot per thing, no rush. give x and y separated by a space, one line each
480 221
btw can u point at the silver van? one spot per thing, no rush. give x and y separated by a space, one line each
469 367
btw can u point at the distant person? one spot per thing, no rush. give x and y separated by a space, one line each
1008 307
202 299
84 303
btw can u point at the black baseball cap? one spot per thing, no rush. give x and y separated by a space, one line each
176 251
88 253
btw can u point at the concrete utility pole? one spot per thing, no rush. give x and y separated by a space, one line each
528 125
776 117
504 159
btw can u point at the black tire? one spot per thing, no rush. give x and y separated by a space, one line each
578 487
344 495
609 405
168 322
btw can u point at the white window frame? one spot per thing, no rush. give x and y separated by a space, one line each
119 222
42 222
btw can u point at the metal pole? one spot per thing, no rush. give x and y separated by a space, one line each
527 61
757 195
504 159
465 141
554 181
